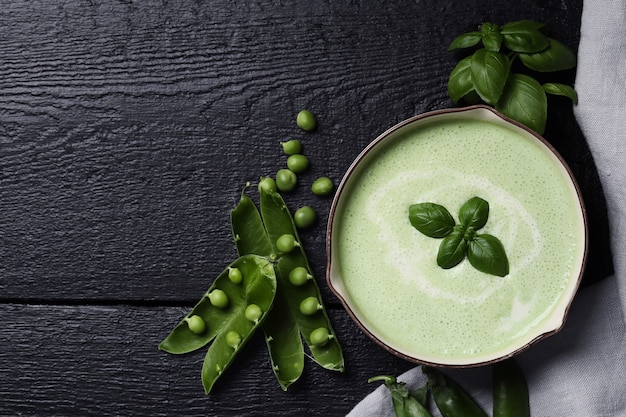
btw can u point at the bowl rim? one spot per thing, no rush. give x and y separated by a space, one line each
478 108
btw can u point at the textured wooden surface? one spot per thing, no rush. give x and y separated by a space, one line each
127 131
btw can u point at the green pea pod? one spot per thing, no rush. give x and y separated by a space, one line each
405 404
510 391
258 287
451 399
278 222
281 332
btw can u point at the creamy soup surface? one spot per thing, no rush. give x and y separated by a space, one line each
389 269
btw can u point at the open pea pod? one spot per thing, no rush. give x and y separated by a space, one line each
279 221
281 332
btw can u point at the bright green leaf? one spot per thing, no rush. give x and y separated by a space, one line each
489 71
524 36
561 90
460 82
524 100
492 38
466 40
486 253
556 57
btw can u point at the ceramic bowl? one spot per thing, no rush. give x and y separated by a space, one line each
385 272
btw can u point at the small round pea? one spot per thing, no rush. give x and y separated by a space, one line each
292 147
310 306
299 276
233 339
253 313
305 120
286 180
322 186
320 336
218 298
267 184
298 163
304 217
286 243
235 275
196 324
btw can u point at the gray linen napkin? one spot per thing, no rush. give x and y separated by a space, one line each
581 371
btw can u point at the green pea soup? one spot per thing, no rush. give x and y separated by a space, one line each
386 273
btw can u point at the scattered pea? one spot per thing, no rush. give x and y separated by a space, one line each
218 298
268 184
233 339
306 120
196 324
292 147
286 243
286 180
299 276
235 275
320 336
322 186
304 217
310 306
298 163
253 313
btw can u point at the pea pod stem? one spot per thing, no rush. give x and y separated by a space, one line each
405 404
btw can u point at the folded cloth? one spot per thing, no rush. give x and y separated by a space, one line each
579 372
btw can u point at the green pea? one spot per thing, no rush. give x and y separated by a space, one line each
299 276
196 324
306 121
286 243
235 275
322 186
286 180
233 339
297 163
218 298
310 306
304 217
320 336
292 147
253 313
268 184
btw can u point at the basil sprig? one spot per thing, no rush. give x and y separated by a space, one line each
484 252
486 74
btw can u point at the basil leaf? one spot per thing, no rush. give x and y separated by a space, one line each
556 57
525 101
524 36
466 40
561 90
486 253
490 71
431 219
474 213
452 250
460 82
492 38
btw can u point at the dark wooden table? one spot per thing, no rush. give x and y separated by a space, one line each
127 131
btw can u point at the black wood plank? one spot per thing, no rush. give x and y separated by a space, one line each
104 361
129 128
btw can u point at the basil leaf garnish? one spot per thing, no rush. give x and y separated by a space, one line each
490 71
431 219
492 38
466 40
460 82
556 57
524 36
525 101
452 250
474 213
561 90
486 253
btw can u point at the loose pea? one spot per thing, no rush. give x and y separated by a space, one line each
305 120
196 324
304 217
286 243
320 336
299 276
298 163
292 147
286 180
268 184
233 339
322 186
218 298
310 306
235 275
253 313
